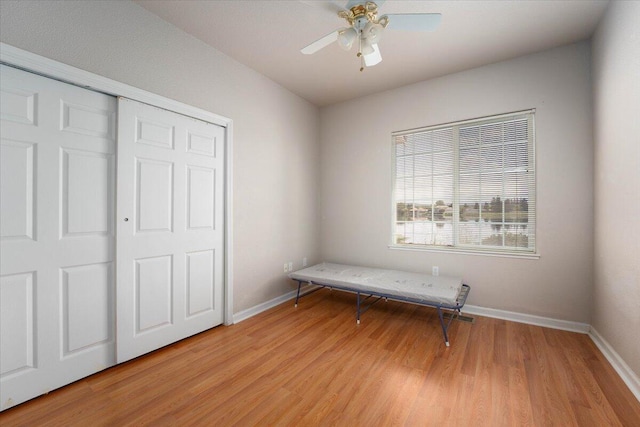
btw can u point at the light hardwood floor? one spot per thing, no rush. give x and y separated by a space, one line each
314 366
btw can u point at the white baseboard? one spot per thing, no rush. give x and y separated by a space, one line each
628 376
530 319
257 309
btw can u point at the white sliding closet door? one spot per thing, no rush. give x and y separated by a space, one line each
57 194
170 227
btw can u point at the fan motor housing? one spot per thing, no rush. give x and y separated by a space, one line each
360 14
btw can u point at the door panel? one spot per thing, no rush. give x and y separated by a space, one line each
200 272
153 286
87 301
200 205
17 322
154 188
57 167
170 227
18 191
87 189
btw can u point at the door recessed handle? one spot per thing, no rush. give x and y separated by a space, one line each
126 219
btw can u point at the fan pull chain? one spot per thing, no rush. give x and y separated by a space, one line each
360 52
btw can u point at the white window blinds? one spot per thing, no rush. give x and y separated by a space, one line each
468 185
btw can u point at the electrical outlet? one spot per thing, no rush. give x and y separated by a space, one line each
304 261
286 267
435 271
290 266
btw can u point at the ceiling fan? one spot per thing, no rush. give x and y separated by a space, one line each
365 29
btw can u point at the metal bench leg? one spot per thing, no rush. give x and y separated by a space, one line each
444 329
358 311
298 293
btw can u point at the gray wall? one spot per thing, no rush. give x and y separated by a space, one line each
616 90
356 179
275 167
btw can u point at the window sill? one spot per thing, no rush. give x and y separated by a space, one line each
524 255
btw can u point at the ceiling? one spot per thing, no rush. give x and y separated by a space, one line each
268 35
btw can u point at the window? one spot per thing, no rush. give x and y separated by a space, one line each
468 185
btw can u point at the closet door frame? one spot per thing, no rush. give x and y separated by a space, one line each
37 64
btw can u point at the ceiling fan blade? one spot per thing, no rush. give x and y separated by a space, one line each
320 43
414 21
374 57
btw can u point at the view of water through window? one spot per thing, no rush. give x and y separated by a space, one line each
471 233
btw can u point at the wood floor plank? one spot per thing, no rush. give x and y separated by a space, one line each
557 407
519 403
313 365
397 412
595 401
618 396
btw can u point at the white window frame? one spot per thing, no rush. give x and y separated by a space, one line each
457 247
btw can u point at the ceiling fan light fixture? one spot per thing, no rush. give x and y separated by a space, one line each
373 32
366 47
346 37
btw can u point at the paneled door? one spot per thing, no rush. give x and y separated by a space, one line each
170 267
57 229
